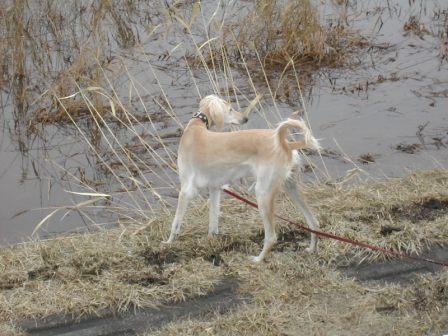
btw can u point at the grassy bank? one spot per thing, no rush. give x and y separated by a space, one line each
125 268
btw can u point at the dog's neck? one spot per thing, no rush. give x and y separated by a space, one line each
203 117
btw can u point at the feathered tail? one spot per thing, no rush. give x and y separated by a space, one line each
309 140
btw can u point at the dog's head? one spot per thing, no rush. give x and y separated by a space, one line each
220 112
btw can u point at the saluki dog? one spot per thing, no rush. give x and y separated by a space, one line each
210 160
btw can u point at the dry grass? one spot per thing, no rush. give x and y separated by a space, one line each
125 268
293 299
279 32
53 47
275 34
122 269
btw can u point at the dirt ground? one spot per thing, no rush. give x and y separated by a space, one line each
124 282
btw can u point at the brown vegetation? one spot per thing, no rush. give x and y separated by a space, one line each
125 268
279 33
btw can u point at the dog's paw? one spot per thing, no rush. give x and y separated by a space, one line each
310 250
256 259
170 239
212 235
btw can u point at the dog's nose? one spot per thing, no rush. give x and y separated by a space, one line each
245 119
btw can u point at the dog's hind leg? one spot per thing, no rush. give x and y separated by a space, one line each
298 199
215 196
265 199
185 195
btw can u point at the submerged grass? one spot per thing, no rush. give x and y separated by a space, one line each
121 269
281 31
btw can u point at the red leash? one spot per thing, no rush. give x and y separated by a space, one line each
342 239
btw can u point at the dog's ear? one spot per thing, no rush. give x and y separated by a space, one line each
217 116
213 107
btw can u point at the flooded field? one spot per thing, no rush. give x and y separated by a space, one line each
94 97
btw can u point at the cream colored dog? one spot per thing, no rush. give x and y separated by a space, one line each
210 160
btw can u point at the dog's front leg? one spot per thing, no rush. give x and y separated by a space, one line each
215 196
298 199
185 195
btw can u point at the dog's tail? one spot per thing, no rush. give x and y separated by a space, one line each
309 140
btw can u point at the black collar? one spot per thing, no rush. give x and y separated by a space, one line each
203 117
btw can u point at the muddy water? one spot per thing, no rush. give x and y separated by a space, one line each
407 86
390 107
